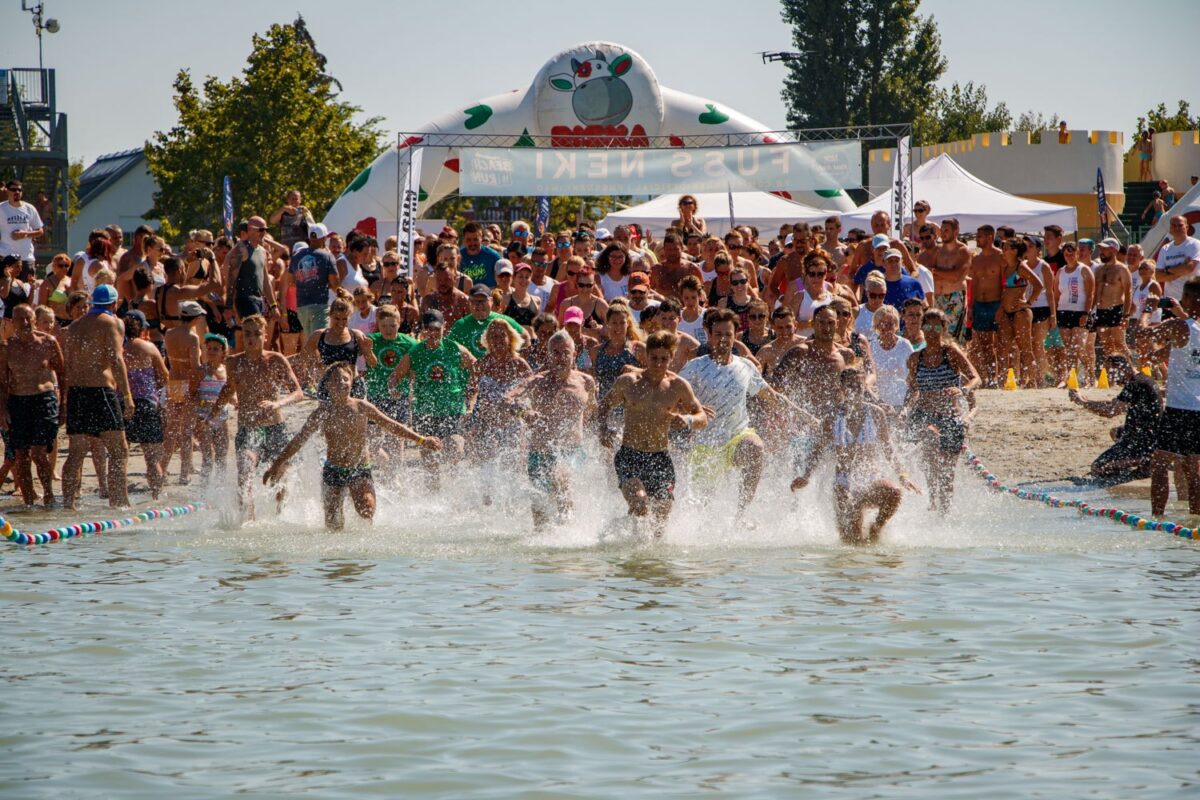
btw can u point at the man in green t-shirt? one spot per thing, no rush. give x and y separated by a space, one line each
390 347
468 331
440 370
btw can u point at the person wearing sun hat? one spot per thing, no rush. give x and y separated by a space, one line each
98 396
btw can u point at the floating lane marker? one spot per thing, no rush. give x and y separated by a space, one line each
100 526
1126 517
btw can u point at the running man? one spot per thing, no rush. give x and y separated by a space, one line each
343 421
859 435
263 383
32 374
555 405
184 348
723 383
655 402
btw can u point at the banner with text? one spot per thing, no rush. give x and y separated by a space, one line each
493 171
409 190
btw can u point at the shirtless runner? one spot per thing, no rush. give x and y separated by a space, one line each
555 404
263 382
655 401
343 421
98 396
183 347
31 378
1114 298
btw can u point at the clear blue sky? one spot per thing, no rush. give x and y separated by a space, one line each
1097 63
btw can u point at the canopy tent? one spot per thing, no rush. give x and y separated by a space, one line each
594 95
763 210
951 191
1157 236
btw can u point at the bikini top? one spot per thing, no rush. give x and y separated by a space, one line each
943 376
335 353
1015 280
141 383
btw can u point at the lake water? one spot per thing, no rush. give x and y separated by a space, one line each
1008 651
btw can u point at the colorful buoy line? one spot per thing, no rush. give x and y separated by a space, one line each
99 526
1128 518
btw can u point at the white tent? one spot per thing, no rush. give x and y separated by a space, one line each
763 210
951 191
1188 206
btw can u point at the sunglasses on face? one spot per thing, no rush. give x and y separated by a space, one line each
844 314
688 203
541 263
815 274
520 234
931 328
391 264
756 316
926 238
876 295
563 245
637 292
585 285
739 281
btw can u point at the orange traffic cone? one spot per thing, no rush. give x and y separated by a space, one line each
1010 381
1073 380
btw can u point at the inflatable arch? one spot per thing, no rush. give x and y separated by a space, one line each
596 94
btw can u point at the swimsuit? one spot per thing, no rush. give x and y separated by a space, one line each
868 434
954 306
336 477
983 315
146 425
654 470
950 429
33 420
93 410
540 465
266 441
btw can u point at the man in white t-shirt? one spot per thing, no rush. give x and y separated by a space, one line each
1178 260
722 382
20 225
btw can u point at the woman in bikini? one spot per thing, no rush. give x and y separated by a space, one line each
1020 287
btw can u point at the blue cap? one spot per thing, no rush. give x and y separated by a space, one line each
104 295
1088 242
880 240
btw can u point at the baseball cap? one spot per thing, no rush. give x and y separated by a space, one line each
1111 242
432 319
880 240
788 239
638 279
256 222
190 309
298 246
504 266
480 290
523 265
892 253
104 295
317 230
1087 242
573 314
582 236
135 314
602 234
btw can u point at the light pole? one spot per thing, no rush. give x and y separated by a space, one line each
40 24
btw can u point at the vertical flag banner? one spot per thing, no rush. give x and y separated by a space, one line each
732 221
543 215
1102 204
902 186
227 207
409 186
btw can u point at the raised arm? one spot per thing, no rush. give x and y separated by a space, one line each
279 466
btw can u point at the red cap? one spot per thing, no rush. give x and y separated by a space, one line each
256 222
638 279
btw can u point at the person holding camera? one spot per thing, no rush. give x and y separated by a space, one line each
293 220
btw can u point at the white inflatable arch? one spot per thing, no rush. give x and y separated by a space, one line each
596 94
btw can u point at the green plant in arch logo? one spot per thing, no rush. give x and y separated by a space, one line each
600 95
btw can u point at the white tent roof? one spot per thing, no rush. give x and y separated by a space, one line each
951 191
1188 205
763 210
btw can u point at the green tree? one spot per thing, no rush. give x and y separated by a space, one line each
1159 119
1035 122
862 62
957 113
564 211
278 126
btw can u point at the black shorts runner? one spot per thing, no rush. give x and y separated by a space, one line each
654 470
443 427
32 420
146 425
394 407
266 441
951 432
336 477
1070 319
1041 314
93 410
1179 432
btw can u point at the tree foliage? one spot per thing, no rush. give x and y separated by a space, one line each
276 127
1161 120
862 62
564 211
958 113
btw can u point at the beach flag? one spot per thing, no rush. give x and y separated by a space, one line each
543 215
732 219
227 207
1102 205
902 186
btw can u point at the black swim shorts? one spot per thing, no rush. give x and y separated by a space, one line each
1110 317
1070 319
336 477
32 420
93 410
1179 432
654 470
266 441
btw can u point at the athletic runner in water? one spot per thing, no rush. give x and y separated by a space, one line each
655 402
343 420
859 436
